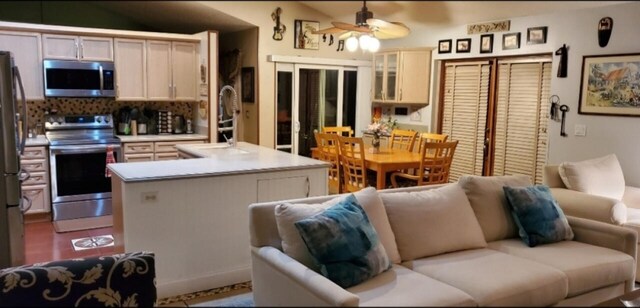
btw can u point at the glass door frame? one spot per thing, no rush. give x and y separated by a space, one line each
295 110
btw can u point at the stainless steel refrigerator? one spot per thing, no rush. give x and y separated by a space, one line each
12 204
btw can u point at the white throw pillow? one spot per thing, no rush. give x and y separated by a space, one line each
432 222
600 176
293 245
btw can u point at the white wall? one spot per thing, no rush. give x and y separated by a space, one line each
259 14
578 30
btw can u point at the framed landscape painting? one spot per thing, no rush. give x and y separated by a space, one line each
610 85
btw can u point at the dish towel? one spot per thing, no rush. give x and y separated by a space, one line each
110 160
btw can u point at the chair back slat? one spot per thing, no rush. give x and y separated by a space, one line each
327 150
430 137
402 139
435 164
338 130
353 165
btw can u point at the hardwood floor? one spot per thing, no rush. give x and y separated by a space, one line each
42 243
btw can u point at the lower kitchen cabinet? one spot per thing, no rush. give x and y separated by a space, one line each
36 188
153 151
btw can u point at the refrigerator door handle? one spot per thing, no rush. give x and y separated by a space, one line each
25 126
23 208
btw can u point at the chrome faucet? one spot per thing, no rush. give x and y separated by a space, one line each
234 116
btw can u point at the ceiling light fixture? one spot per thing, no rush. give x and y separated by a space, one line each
366 42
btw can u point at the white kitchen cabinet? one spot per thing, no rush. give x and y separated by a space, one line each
131 69
26 48
172 71
402 76
36 187
71 47
284 188
150 151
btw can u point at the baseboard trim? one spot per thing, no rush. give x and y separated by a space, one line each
210 281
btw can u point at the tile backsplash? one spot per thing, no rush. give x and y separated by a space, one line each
80 106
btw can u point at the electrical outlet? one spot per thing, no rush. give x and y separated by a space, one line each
149 197
580 130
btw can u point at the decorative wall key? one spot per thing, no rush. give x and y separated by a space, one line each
563 109
555 103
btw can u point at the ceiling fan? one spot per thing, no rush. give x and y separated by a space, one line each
366 28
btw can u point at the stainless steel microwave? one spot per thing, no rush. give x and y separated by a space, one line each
64 78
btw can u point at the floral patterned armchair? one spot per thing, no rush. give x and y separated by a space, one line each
126 279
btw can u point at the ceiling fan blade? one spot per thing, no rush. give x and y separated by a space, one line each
394 29
332 30
350 27
346 35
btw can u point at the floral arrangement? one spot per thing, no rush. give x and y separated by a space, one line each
378 129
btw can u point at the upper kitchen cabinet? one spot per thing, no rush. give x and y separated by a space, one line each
27 53
171 71
402 76
131 69
83 48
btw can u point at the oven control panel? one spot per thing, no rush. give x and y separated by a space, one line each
78 121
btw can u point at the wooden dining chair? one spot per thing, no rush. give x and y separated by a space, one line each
429 137
402 139
434 165
339 130
353 166
327 150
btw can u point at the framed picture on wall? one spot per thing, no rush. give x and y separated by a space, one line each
486 43
537 35
248 84
511 41
610 85
463 45
303 37
444 46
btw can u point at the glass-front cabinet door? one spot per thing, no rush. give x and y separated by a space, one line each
385 76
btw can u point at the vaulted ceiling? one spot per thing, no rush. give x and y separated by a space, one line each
193 16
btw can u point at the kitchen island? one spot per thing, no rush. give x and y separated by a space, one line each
193 213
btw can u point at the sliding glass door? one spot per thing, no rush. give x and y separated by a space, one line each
310 97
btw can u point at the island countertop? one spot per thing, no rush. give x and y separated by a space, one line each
215 161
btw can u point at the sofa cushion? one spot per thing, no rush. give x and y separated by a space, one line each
587 267
342 240
490 205
400 287
494 278
432 222
539 218
287 214
600 176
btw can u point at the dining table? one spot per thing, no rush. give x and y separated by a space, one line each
386 160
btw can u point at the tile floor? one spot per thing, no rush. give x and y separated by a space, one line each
43 243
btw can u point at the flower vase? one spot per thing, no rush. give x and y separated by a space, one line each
375 144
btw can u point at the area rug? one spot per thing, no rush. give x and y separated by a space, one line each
240 300
92 242
190 296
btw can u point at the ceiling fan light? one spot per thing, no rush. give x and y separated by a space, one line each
351 44
374 44
365 42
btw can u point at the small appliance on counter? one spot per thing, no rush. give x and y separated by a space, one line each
178 125
189 127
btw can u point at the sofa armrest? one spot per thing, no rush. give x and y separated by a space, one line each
579 204
279 280
631 197
90 281
604 235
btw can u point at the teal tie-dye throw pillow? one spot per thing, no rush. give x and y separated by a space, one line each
539 218
344 243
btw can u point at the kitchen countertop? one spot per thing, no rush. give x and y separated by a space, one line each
246 158
151 138
39 140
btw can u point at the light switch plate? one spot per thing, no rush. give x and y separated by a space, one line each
580 130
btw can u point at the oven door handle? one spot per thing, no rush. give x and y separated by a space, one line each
82 149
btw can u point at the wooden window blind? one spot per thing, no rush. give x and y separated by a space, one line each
520 140
464 114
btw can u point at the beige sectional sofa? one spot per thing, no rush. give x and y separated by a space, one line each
450 245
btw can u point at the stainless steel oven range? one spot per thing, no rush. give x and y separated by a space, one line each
80 188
